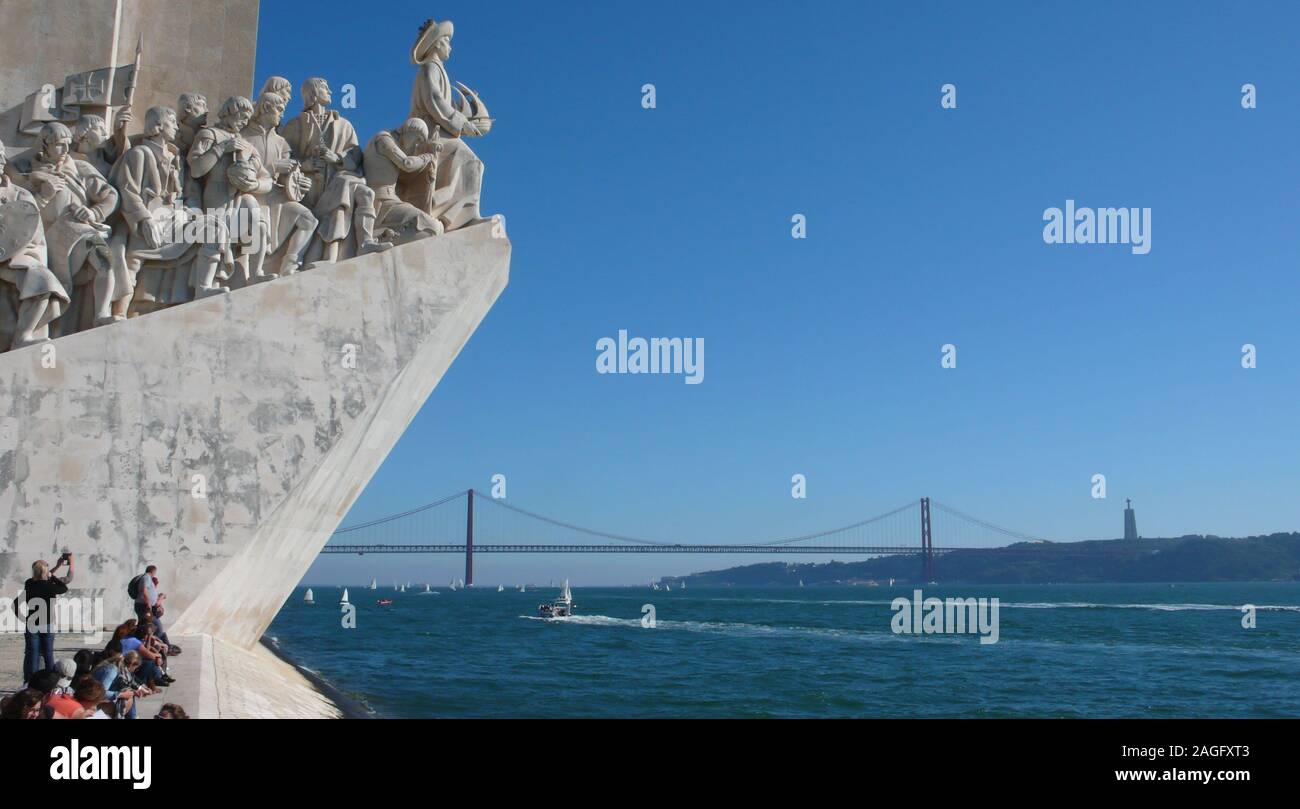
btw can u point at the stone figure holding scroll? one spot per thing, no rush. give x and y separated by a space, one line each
326 146
454 199
31 297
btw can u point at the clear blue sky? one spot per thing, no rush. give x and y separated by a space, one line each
924 228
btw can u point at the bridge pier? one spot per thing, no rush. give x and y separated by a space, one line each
469 539
927 543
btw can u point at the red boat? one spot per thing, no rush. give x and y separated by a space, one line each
384 602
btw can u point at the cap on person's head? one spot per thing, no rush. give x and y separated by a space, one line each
66 669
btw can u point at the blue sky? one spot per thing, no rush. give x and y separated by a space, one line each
924 228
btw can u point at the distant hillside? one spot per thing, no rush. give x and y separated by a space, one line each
1182 559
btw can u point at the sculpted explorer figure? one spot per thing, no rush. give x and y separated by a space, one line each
156 221
192 116
31 297
388 157
230 171
281 186
327 147
455 198
75 199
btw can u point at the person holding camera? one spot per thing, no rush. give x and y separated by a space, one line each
38 632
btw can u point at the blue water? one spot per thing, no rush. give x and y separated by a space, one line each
1152 650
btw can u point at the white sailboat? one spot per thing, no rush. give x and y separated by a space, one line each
343 599
801 582
668 587
452 586
309 598
683 584
655 585
374 584
561 607
501 588
521 588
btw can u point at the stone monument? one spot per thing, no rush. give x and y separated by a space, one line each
160 406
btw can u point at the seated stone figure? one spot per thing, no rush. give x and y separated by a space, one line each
229 170
389 156
281 186
156 224
74 199
31 298
326 146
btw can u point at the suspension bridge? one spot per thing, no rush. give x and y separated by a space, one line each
452 525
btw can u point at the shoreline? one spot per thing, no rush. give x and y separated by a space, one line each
349 707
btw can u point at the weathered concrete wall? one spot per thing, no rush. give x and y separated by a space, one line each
208 46
250 390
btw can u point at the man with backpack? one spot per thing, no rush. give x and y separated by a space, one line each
143 589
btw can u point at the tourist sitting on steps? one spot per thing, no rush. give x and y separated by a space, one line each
152 664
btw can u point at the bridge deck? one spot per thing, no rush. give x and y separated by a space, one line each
867 550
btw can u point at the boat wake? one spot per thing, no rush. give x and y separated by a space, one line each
1048 605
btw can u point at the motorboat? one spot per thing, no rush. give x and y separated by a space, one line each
562 607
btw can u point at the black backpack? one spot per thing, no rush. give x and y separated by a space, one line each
133 587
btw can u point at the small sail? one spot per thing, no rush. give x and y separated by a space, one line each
426 588
565 595
374 584
309 598
344 598
500 588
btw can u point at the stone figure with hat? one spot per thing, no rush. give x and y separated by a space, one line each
454 198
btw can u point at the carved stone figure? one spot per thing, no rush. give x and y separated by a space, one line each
454 200
281 186
280 86
92 142
192 116
74 199
389 156
326 146
155 219
229 168
31 297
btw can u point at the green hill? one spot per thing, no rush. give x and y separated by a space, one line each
1182 559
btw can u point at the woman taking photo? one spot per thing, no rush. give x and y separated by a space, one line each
40 591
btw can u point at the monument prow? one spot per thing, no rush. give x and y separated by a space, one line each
225 439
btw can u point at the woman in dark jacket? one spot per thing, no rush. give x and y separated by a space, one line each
40 591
